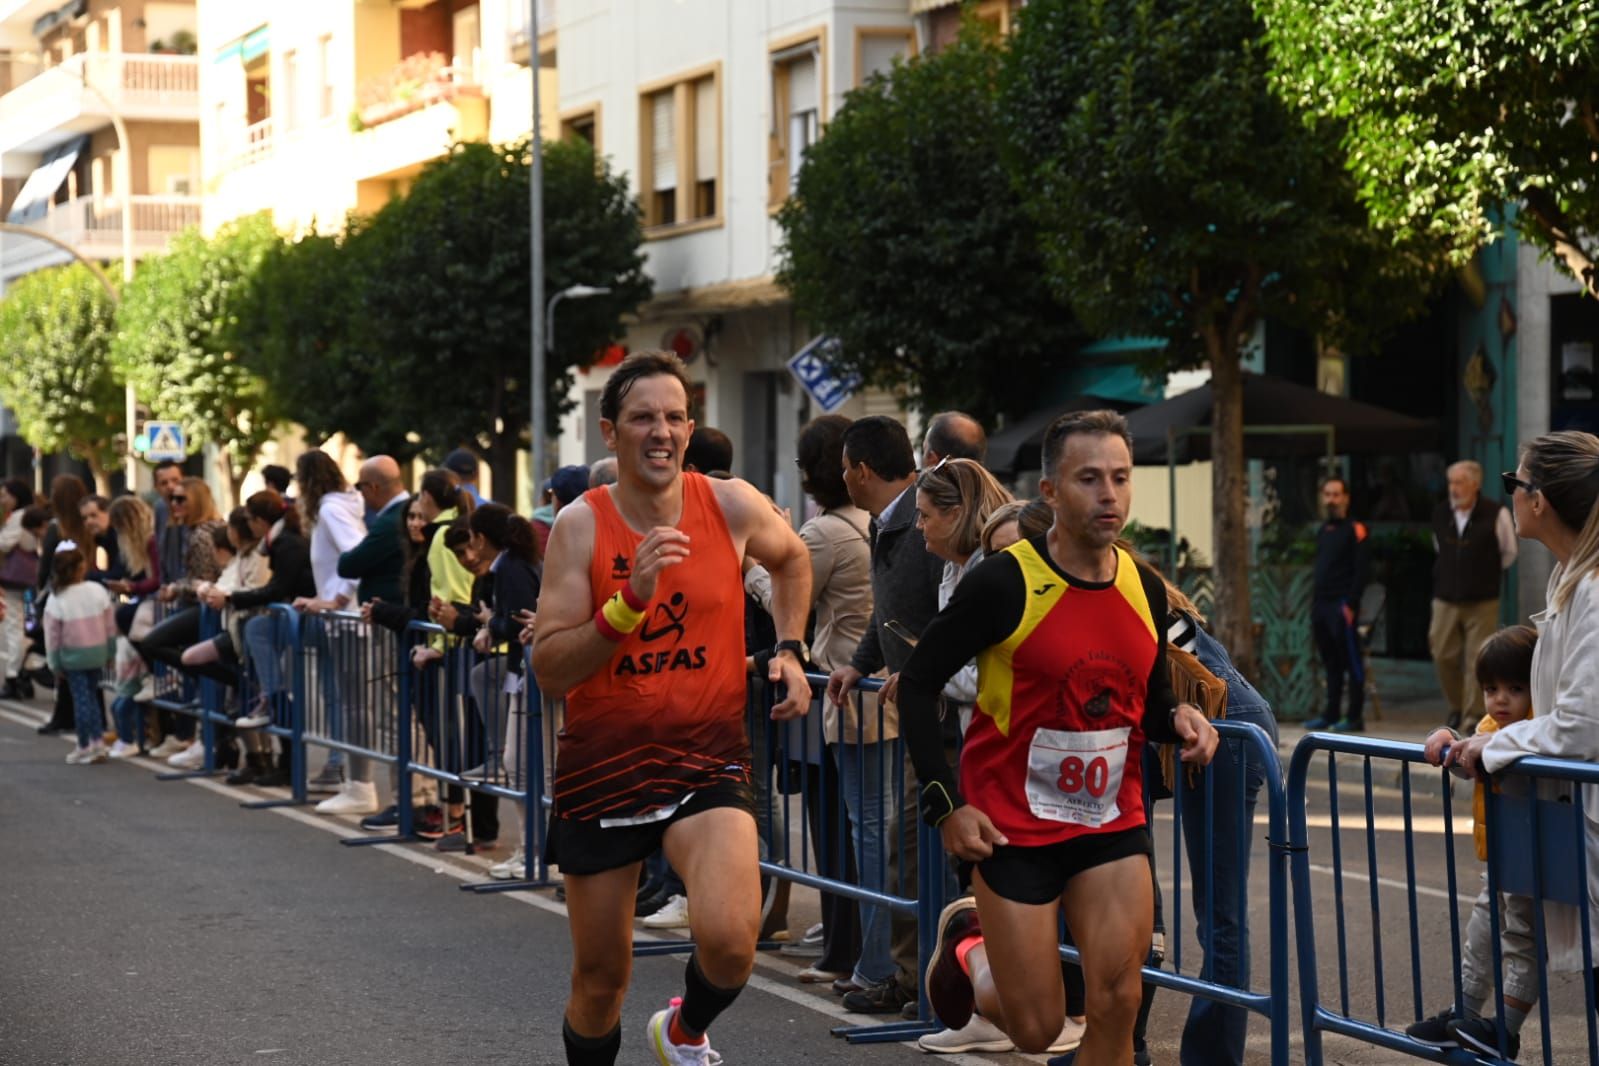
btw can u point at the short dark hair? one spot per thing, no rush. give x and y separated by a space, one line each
709 451
95 498
648 363
20 491
1103 422
882 444
957 435
277 477
820 456
1342 481
35 517
1507 656
168 464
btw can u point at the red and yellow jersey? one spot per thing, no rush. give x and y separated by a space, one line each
665 715
1071 679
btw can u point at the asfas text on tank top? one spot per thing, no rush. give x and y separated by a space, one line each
665 716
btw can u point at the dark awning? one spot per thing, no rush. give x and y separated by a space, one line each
1271 401
34 197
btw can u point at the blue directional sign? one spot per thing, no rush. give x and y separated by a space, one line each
812 367
166 442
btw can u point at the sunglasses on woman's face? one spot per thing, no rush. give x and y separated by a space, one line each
1511 483
180 499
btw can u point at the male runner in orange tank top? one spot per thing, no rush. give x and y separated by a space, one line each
640 624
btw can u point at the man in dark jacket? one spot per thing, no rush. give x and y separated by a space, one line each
378 561
1340 577
1476 542
880 475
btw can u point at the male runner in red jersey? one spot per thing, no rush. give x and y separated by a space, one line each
641 624
1069 637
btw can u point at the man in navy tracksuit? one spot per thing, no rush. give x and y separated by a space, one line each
1340 576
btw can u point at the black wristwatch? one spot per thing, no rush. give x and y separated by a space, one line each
801 652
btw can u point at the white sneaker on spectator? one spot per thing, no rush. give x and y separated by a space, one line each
979 1034
671 1054
123 750
168 747
190 758
356 797
96 753
77 755
674 915
512 869
1071 1034
146 691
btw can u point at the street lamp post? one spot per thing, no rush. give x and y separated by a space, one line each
573 292
537 415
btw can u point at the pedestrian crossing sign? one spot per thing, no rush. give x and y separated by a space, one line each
166 442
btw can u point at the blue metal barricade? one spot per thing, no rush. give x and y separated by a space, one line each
1539 848
859 833
1224 872
476 725
275 678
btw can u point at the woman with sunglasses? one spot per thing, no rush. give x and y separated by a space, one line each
1554 496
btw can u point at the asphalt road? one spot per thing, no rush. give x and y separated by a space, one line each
158 922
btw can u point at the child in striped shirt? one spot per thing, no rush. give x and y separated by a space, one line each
80 633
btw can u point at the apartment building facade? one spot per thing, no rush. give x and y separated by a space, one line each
708 106
67 72
312 110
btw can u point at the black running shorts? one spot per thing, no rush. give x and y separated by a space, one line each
584 846
1038 875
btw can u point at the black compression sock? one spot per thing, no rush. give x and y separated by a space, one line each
702 1001
591 1050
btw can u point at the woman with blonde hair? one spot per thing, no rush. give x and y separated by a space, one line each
954 501
133 524
190 506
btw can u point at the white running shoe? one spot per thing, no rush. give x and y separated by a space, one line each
190 758
123 750
95 753
512 869
356 797
979 1034
673 915
1071 1034
671 1054
78 755
168 747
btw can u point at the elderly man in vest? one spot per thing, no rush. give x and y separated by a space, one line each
1476 542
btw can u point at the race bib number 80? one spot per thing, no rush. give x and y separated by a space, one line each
1074 777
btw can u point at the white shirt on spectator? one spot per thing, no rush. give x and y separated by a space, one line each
339 527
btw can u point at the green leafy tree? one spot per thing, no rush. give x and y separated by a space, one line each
442 301
905 240
176 341
1177 196
293 326
1450 110
56 327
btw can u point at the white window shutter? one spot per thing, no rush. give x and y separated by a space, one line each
707 151
663 145
802 94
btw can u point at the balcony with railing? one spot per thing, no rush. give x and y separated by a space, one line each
82 93
411 114
93 226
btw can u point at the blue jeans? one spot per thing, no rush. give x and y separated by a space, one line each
866 778
85 705
129 717
260 643
1214 1033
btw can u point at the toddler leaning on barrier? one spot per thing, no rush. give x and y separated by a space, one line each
1504 670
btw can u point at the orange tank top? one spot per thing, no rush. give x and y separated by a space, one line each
665 716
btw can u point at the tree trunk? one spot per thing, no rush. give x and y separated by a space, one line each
234 481
102 476
502 464
1233 621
